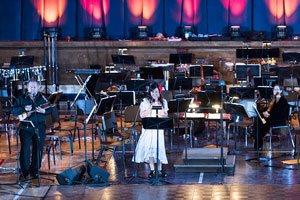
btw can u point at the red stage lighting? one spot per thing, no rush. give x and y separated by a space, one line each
50 10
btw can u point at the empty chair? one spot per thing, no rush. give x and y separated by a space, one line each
83 110
111 130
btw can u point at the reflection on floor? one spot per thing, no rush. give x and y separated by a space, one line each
255 179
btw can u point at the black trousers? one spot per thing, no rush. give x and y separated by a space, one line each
260 129
31 137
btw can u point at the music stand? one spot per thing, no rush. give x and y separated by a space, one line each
137 85
152 72
195 70
123 98
236 110
242 92
55 97
291 57
181 58
178 106
21 61
247 53
157 123
209 98
123 60
105 105
265 92
180 83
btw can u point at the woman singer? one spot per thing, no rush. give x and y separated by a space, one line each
146 149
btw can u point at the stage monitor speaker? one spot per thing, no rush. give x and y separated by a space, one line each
71 175
97 174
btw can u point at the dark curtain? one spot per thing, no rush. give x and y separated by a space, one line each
21 20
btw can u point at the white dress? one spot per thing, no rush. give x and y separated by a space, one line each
147 144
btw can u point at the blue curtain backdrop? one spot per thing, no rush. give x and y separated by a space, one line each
21 20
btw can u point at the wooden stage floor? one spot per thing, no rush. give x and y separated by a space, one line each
252 180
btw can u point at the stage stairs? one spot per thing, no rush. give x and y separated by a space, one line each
205 160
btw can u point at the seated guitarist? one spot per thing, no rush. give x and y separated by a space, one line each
275 114
32 105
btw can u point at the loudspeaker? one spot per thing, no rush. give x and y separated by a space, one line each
71 175
97 174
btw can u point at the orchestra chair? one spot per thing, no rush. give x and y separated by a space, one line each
132 117
51 141
296 131
111 132
6 120
83 109
243 113
58 131
133 121
286 126
244 124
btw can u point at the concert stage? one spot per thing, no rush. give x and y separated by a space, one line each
252 180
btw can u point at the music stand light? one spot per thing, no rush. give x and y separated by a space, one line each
216 107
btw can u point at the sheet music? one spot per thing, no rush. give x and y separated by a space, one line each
249 107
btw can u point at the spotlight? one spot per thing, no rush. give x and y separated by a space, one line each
97 33
51 31
187 31
142 32
235 31
281 31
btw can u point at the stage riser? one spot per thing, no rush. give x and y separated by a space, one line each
218 169
205 160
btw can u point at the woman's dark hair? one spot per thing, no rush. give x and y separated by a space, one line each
152 87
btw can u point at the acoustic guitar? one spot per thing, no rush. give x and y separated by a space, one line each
25 115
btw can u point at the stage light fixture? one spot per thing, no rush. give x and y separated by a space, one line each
235 31
51 31
281 31
97 33
188 31
142 32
